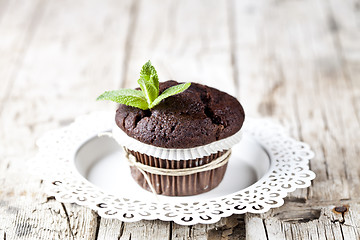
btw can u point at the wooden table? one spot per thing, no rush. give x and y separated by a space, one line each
295 61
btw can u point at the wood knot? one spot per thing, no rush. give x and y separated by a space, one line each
341 209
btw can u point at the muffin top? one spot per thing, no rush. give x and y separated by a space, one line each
198 116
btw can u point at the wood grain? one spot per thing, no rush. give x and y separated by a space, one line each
295 61
17 31
50 76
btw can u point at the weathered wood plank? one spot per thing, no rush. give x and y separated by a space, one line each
16 31
47 220
255 229
345 19
278 71
189 46
77 79
227 228
110 229
312 221
147 230
300 71
66 65
3 7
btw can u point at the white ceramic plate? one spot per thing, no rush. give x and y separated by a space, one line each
248 163
92 171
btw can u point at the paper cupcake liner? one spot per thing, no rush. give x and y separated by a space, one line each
171 153
179 185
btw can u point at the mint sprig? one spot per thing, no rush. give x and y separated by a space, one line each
148 97
130 97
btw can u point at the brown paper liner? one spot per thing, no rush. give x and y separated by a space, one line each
179 185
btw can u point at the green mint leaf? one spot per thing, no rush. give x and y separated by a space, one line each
149 90
149 74
130 97
148 97
170 92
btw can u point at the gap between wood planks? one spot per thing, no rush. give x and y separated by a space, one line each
233 49
69 223
134 11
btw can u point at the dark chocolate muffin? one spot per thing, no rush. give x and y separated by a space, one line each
196 117
189 123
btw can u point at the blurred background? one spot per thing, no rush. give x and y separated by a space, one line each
56 57
297 61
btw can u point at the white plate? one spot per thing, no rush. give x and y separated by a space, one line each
92 171
248 163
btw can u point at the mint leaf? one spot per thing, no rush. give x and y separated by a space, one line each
130 97
149 90
148 97
149 74
170 92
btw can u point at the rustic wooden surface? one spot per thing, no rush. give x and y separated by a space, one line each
295 61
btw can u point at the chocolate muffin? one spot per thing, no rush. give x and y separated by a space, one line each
196 117
187 130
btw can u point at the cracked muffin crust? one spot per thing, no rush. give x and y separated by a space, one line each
196 117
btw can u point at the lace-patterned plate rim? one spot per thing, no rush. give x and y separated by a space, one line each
288 171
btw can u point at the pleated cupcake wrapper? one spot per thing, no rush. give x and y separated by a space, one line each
175 154
179 185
